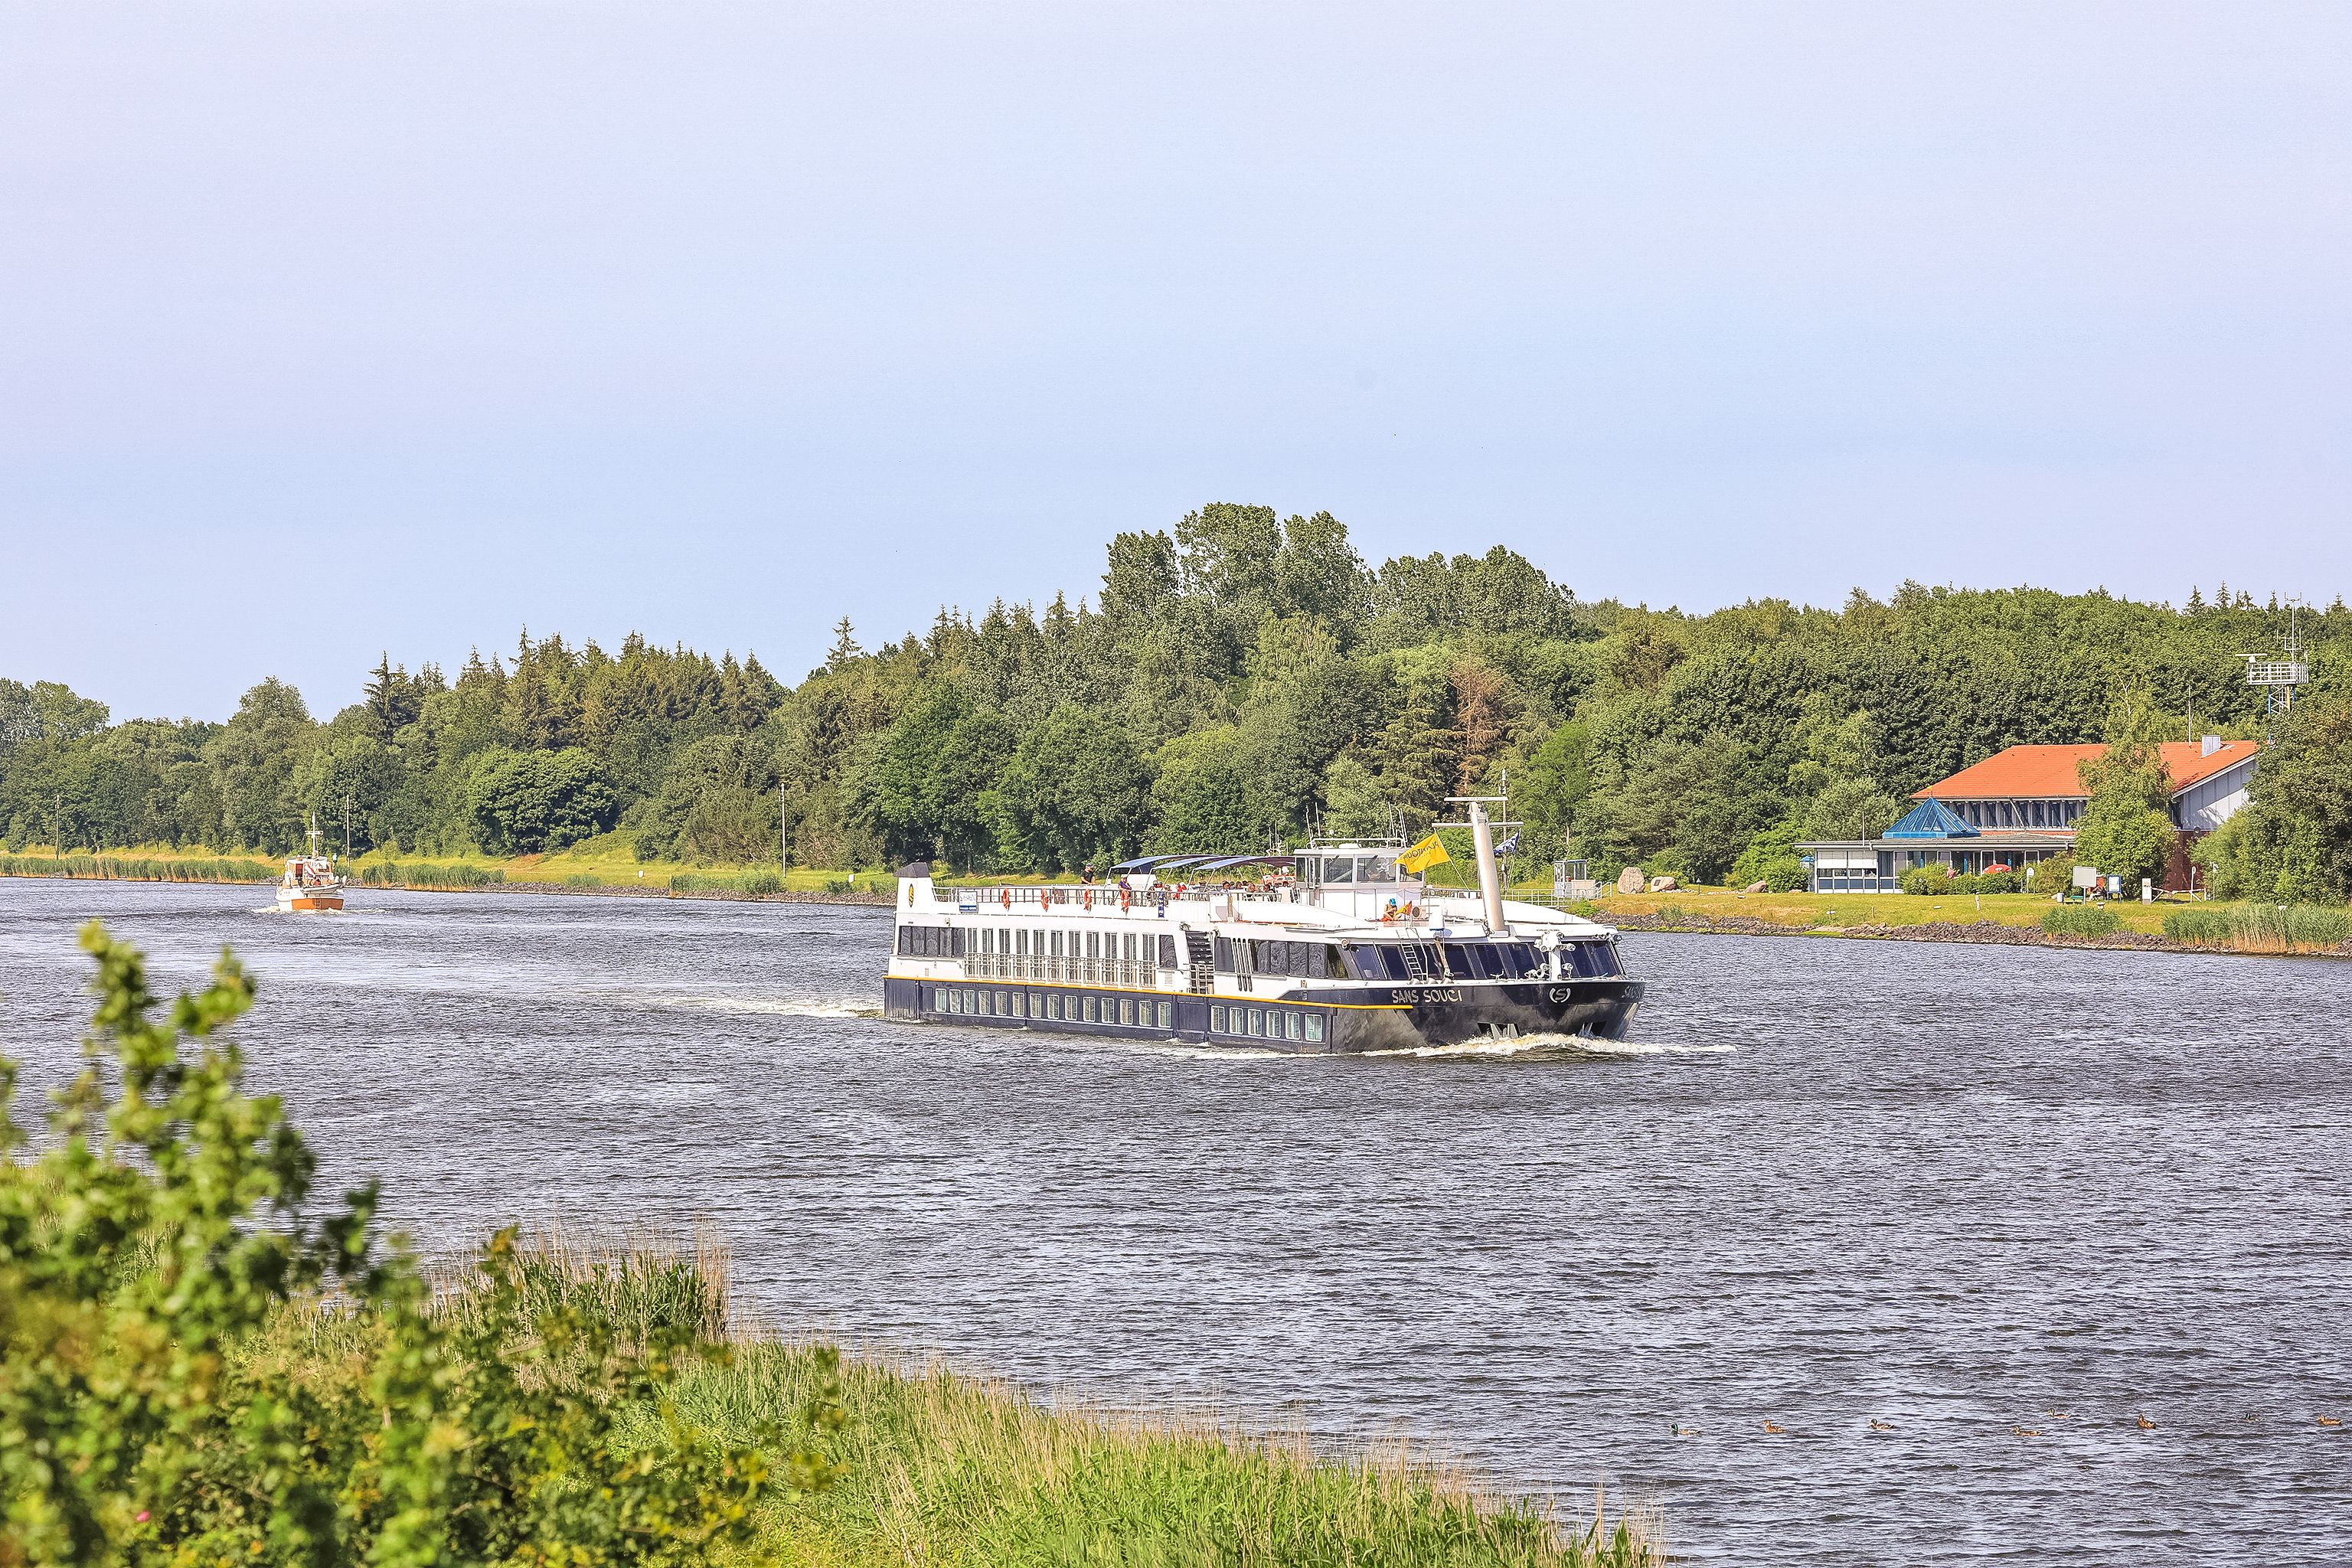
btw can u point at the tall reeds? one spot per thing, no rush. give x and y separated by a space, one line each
417 874
2082 919
139 869
2262 928
751 884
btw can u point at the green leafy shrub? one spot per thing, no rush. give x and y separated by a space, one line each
2052 877
144 1258
763 884
1926 880
1999 881
583 879
2081 920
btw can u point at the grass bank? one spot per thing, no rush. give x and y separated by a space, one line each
938 1467
2025 918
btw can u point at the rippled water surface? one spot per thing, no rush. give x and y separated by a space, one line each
1957 1190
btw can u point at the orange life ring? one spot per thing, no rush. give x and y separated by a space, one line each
1008 898
1086 900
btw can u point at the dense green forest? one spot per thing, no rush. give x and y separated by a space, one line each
1245 679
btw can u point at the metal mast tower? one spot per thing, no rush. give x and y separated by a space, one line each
2278 676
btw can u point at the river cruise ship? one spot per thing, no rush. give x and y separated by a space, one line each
1335 948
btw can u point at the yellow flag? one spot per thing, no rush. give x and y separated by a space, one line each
1429 852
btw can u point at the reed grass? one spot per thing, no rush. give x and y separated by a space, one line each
2262 928
419 874
752 884
140 868
583 879
2082 919
939 1468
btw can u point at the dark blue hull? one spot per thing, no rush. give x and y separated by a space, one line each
1366 1019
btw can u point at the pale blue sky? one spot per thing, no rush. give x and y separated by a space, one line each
332 327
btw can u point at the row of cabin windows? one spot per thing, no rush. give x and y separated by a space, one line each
1428 960
1999 814
1249 955
1059 1007
954 941
1266 1023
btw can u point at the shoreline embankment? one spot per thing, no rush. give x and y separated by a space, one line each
1980 934
713 890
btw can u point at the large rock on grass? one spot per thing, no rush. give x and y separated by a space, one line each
1753 887
1631 881
1663 884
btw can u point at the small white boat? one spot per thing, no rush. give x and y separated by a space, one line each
311 881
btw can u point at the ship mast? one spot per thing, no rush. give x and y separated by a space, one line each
1482 840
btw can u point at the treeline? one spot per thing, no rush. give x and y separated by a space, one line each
1242 680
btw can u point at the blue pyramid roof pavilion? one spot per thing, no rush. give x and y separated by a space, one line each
1932 819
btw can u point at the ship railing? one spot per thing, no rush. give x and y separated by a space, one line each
1128 974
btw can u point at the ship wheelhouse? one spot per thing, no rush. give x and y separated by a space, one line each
1334 948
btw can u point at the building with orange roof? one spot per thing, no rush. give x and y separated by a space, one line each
2019 806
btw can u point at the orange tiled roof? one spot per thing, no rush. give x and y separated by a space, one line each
2047 773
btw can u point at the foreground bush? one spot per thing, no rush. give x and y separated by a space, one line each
194 1370
2262 928
2082 919
142 1254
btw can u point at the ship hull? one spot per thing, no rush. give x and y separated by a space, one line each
1332 1021
307 902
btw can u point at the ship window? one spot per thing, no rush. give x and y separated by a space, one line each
1339 870
1314 1025
1127 947
1167 952
1164 1010
1093 944
1093 1009
1257 1022
1216 1019
1375 960
1294 1026
1126 1011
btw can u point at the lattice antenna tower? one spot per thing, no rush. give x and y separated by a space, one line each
2278 676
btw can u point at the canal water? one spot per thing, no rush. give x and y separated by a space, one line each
1971 1194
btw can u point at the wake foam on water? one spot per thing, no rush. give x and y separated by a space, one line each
771 1006
1553 1048
1523 1048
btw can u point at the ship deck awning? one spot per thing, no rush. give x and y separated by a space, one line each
1228 862
1146 862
